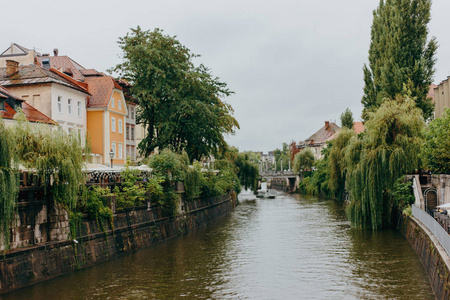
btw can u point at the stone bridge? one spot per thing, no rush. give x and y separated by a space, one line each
286 181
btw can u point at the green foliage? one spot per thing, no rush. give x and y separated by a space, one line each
179 103
9 181
399 55
57 157
193 181
168 165
347 119
336 162
402 193
248 172
303 160
130 193
389 148
96 206
436 149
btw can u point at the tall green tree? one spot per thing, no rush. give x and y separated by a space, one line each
179 103
399 55
303 160
436 149
388 149
347 119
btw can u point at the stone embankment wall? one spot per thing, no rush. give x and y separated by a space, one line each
53 254
433 257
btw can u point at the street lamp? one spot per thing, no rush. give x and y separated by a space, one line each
111 155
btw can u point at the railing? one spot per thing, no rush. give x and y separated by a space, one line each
433 226
277 173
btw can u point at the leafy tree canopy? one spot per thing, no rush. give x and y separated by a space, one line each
389 148
179 103
436 149
303 160
347 119
399 55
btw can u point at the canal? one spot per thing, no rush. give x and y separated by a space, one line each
291 247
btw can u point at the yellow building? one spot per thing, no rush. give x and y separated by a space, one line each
106 113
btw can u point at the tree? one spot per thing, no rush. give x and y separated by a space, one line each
179 103
303 160
399 55
388 149
347 119
436 149
336 162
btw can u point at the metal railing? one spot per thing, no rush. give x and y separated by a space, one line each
435 228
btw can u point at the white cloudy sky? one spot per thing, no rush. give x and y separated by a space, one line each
292 64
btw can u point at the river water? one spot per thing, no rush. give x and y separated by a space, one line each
291 247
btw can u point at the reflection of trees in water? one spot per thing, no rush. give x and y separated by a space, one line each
385 265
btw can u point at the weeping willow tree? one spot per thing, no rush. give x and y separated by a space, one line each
9 181
303 160
57 157
337 166
389 148
248 172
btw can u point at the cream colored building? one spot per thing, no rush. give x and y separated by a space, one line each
441 97
18 53
51 92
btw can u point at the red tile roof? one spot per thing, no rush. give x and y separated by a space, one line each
32 114
63 64
358 127
101 89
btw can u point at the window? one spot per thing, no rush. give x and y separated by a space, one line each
80 135
69 106
120 105
132 112
112 102
60 109
132 133
128 111
2 105
132 153
128 133
120 150
120 126
79 109
113 124
113 148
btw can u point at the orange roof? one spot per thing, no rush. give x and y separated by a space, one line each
63 64
358 127
101 89
81 85
32 114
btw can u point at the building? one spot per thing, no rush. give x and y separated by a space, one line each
318 140
18 53
441 97
106 117
130 121
51 92
11 104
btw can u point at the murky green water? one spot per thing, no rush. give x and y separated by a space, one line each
292 247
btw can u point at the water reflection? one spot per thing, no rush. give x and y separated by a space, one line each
292 247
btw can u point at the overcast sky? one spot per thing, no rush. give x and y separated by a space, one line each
291 64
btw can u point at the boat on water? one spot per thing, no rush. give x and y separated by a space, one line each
270 194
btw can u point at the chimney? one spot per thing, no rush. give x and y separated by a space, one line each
327 124
55 52
12 67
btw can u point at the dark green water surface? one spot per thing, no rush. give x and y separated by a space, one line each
292 247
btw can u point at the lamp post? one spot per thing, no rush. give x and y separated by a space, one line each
111 155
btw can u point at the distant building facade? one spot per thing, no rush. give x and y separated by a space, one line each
441 97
